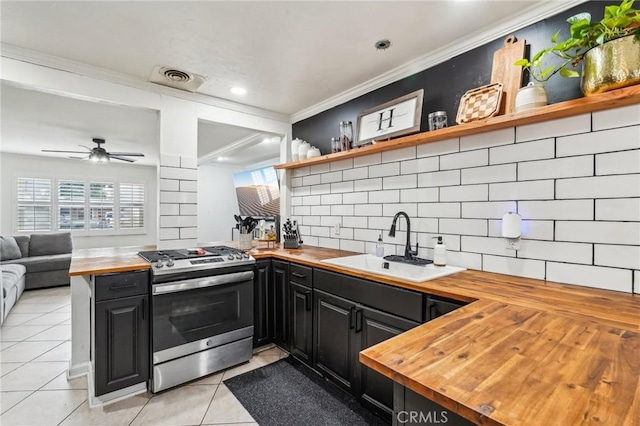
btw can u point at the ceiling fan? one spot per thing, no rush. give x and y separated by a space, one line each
99 154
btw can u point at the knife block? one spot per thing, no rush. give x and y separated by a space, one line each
291 240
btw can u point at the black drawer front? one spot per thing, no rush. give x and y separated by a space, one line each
301 275
122 284
404 303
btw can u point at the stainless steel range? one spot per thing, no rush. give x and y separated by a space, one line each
202 312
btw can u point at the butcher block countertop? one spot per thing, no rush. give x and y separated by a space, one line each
523 352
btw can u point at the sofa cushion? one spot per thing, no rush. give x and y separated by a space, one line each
23 243
9 249
46 244
11 275
43 263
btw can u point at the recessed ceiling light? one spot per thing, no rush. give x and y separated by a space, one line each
266 140
221 158
383 44
239 91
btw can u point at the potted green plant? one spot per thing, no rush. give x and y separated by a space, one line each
610 49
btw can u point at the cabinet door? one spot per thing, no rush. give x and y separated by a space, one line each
280 303
334 322
122 343
372 327
301 322
436 307
262 312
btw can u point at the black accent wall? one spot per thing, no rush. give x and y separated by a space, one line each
445 83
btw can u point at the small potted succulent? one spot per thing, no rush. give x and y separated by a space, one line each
609 50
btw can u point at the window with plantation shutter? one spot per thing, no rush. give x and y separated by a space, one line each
101 199
131 206
33 205
71 205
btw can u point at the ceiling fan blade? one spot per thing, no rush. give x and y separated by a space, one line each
115 157
65 152
127 154
79 158
88 149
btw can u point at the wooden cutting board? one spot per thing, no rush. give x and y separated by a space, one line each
505 72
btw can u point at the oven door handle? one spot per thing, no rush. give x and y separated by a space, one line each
196 283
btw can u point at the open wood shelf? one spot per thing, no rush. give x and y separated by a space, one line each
608 100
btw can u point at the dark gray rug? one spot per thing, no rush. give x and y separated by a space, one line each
288 393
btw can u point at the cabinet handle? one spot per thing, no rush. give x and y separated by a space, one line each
358 320
307 301
352 317
144 308
297 275
120 287
432 315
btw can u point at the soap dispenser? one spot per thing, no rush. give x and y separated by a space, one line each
380 247
439 253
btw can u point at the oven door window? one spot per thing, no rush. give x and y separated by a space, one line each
192 315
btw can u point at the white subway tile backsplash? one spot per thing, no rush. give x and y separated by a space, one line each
340 187
368 184
296 182
169 197
331 199
451 177
384 196
169 160
178 173
169 233
399 182
311 220
304 229
488 139
350 245
532 190
356 198
558 209
329 243
418 195
558 127
311 200
169 209
188 209
422 224
485 245
618 256
319 168
368 210
330 220
537 150
421 165
300 191
439 210
556 251
189 163
465 159
438 148
341 164
366 234
464 193
512 266
186 233
320 210
301 210
311 241
463 226
623 209
590 276
367 160
617 117
311 180
300 171
401 154
355 174
296 201
320 231
346 233
331 177
531 229
636 281
320 189
354 222
599 232
556 168
617 163
178 221
342 210
388 169
598 142
599 187
392 209
501 173
169 185
465 260
487 210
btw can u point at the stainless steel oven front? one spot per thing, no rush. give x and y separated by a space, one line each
200 326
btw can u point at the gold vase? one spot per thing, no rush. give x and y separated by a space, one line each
612 65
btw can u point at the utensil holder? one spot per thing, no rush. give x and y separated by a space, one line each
244 241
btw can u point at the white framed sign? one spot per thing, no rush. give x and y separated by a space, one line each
398 117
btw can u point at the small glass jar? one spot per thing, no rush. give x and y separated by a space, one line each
437 120
346 135
336 144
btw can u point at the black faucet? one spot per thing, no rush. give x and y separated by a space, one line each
408 254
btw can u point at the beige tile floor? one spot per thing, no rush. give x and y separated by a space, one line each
35 349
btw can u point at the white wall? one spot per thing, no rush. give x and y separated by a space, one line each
575 182
217 202
13 165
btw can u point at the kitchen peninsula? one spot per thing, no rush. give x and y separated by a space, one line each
522 351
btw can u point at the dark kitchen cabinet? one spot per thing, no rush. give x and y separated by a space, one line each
262 308
438 306
279 300
122 341
301 322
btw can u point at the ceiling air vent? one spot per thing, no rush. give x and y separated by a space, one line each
175 78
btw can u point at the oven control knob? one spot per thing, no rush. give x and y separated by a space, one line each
230 257
159 264
245 255
238 256
170 263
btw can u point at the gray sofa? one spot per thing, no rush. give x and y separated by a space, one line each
12 279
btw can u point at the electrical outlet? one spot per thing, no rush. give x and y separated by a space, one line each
513 243
336 229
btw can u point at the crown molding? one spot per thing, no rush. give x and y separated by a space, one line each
501 28
67 65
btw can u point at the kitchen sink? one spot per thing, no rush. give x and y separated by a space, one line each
376 265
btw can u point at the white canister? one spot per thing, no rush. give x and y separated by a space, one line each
302 150
531 96
295 144
244 241
313 152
